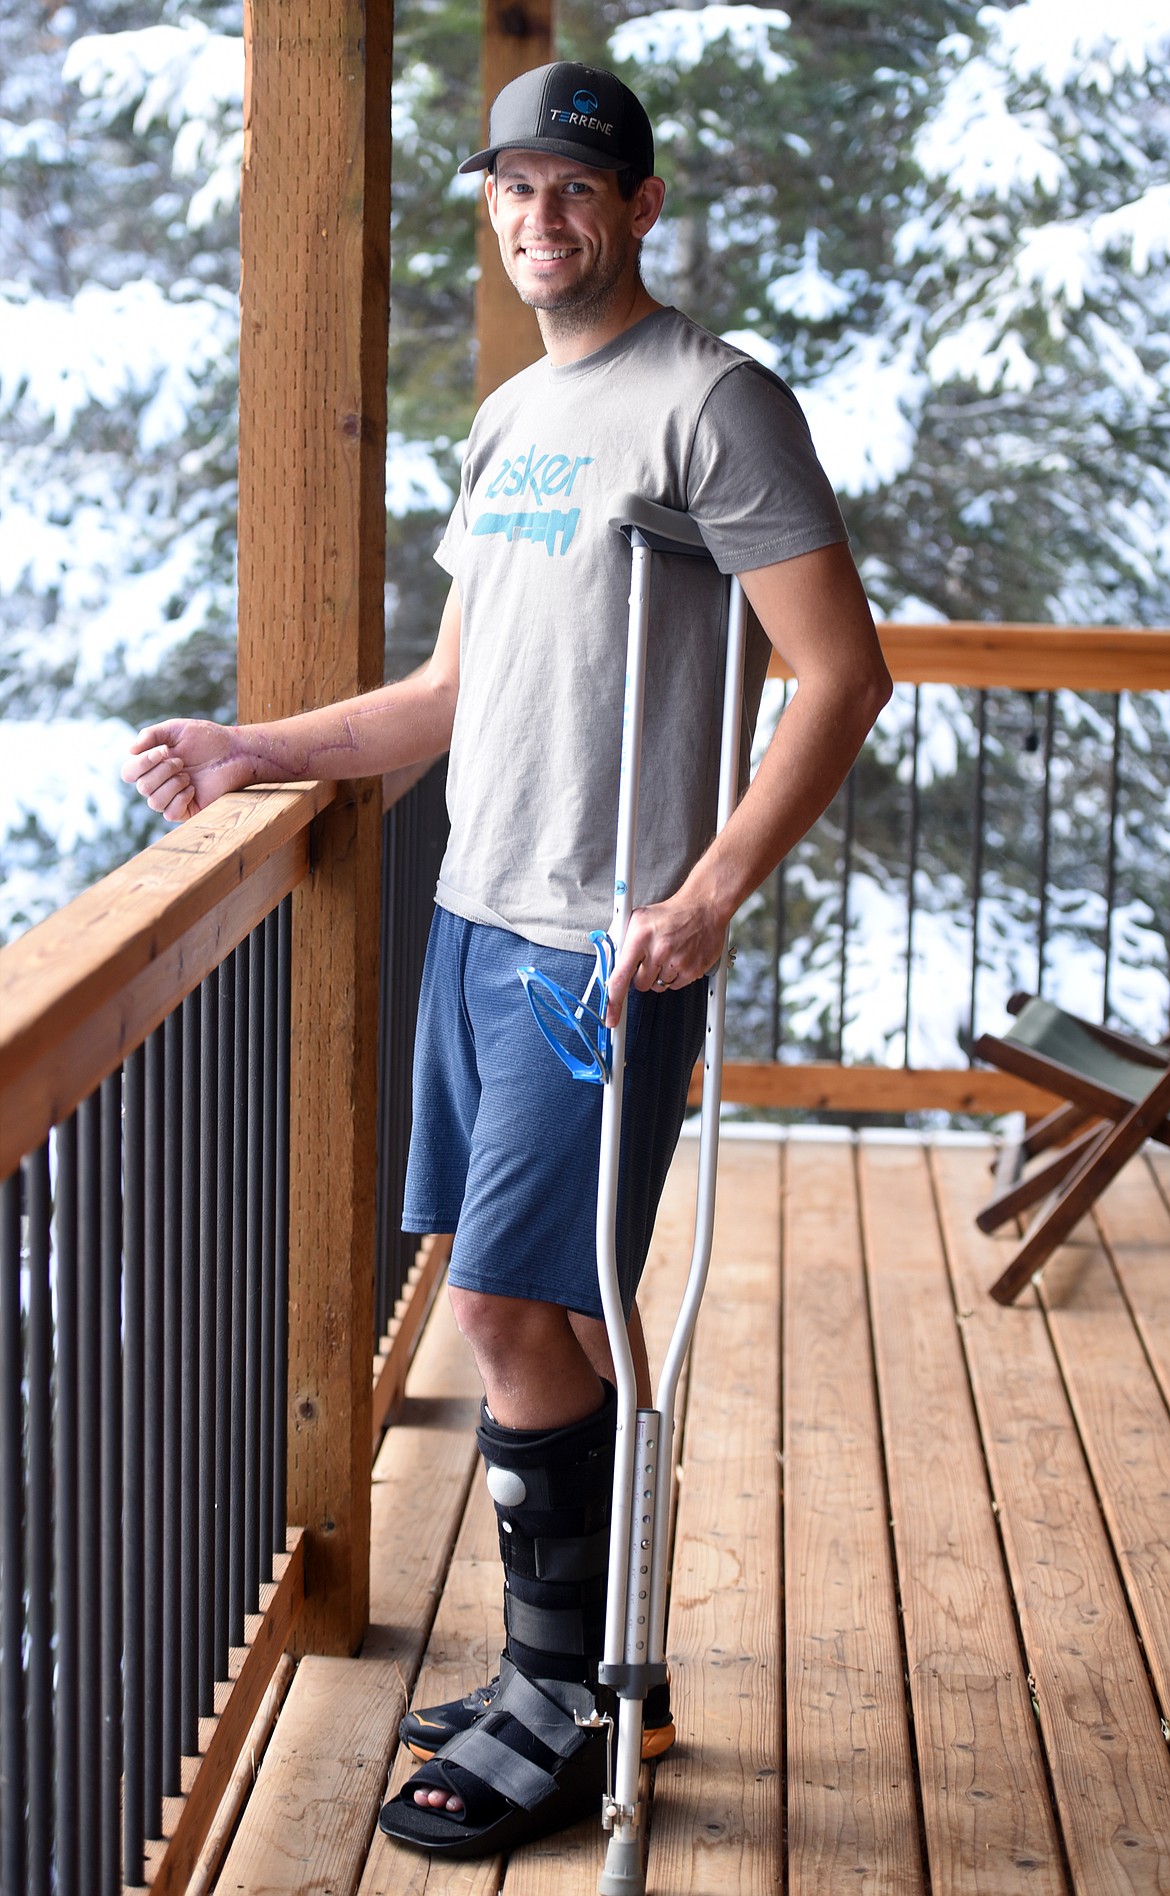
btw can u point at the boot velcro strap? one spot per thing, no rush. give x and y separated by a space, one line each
529 1706
548 1628
505 1770
572 1557
581 1557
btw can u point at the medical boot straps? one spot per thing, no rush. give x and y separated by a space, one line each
528 1754
533 1557
552 1493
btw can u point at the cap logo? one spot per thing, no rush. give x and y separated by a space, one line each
582 116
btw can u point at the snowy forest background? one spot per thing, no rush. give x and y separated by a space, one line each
946 225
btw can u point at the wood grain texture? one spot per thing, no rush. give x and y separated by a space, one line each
187 1820
1098 1720
309 1820
1134 1219
396 1349
826 1087
716 1811
314 222
986 1812
515 37
218 1840
1024 657
1124 1427
852 1807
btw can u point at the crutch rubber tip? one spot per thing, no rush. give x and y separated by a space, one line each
622 1875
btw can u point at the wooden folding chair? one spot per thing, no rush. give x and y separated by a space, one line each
1117 1094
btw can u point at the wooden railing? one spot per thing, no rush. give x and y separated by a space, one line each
79 997
1030 658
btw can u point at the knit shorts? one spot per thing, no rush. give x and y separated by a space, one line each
505 1142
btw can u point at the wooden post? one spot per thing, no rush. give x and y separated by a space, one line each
315 217
517 35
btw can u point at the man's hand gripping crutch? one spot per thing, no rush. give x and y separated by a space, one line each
634 1658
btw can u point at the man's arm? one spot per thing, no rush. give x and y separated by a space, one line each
814 610
184 764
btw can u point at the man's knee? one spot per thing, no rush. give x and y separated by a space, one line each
505 1326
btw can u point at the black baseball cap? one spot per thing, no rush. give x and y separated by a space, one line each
580 112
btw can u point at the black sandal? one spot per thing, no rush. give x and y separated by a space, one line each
534 1762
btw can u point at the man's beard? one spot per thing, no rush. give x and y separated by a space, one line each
578 307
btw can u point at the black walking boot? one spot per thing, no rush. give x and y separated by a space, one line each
527 1754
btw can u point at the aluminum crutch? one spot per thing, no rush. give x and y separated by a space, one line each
635 1628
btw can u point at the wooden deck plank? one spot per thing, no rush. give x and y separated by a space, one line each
309 1819
852 1810
986 1811
1124 1425
1134 1219
1105 1749
716 1813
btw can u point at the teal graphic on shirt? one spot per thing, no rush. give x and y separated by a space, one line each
536 479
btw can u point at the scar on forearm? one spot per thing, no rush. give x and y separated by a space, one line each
291 759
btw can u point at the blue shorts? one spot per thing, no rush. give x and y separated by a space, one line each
505 1143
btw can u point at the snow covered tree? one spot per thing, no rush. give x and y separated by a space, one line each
120 146
118 323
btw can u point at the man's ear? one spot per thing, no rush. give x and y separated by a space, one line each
648 202
489 191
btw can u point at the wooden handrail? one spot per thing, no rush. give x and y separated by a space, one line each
84 988
1023 657
821 1086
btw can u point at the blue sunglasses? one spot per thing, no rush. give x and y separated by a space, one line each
576 1031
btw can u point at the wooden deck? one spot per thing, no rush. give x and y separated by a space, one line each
920 1615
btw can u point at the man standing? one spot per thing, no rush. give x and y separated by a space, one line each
525 688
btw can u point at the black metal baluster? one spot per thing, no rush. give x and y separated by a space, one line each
239 1374
89 1495
172 1372
207 1289
189 1451
68 1795
133 1461
12 1577
225 1137
154 1512
1045 839
111 1481
267 1246
912 870
40 1526
977 861
255 1232
1111 859
280 1378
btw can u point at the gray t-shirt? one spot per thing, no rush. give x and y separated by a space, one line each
668 412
